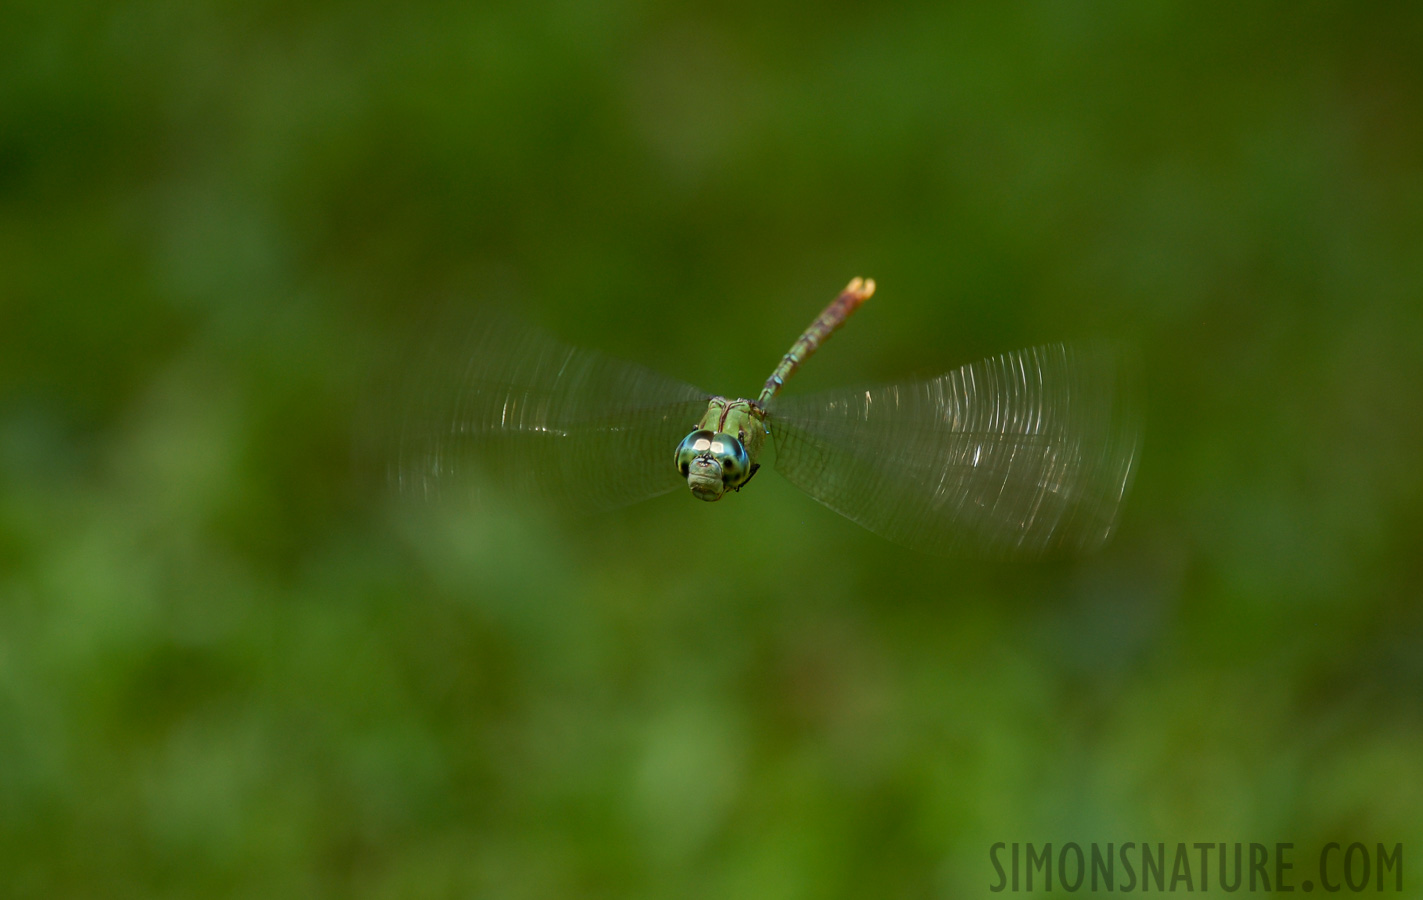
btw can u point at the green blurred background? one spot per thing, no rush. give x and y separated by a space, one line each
230 667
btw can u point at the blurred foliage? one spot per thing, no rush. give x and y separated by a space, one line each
229 667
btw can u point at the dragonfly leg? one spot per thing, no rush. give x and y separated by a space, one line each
755 467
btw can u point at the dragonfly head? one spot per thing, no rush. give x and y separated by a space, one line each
711 463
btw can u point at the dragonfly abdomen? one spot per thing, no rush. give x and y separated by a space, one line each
841 308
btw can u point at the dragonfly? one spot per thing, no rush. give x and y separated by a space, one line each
1026 454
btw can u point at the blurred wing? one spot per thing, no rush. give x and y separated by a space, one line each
508 405
1026 454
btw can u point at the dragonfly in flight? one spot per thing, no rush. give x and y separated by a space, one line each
1027 454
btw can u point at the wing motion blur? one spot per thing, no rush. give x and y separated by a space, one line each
1028 454
511 406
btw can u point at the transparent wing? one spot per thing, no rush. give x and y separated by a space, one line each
1021 455
505 404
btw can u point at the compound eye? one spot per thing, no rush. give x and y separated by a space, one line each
735 464
692 446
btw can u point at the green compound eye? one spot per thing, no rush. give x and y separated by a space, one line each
735 464
698 443
726 450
